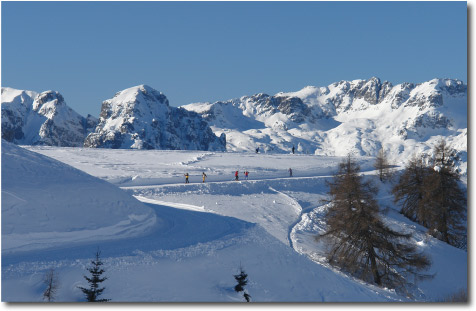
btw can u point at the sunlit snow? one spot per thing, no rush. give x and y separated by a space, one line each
164 240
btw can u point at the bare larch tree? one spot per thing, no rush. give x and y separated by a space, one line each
382 166
359 241
446 198
52 283
430 194
410 191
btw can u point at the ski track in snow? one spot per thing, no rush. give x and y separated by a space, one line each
297 207
290 200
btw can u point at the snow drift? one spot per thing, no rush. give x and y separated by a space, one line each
46 203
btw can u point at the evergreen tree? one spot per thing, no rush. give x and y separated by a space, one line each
359 242
242 280
382 165
52 284
93 292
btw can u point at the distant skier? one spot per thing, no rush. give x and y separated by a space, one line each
257 149
236 175
204 176
290 172
293 149
186 178
246 175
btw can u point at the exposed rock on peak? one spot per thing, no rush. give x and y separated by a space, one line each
42 119
140 117
359 117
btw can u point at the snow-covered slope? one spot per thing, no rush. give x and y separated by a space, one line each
141 118
46 203
42 119
357 117
267 224
191 256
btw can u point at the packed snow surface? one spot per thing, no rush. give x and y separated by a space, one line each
193 237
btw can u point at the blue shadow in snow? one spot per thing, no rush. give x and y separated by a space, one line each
178 229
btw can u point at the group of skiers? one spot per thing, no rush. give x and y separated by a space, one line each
204 176
246 173
237 173
237 177
257 149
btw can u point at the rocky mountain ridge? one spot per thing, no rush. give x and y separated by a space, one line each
357 117
30 118
141 118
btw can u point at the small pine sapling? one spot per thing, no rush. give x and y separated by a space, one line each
93 292
242 280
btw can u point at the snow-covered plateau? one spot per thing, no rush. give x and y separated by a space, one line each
162 240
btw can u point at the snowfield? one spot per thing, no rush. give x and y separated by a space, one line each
47 203
184 242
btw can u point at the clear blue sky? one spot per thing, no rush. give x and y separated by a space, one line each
209 51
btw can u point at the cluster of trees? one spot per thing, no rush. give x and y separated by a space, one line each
429 193
360 243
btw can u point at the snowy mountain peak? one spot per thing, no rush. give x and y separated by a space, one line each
450 86
136 101
358 117
10 95
140 117
140 93
47 102
45 119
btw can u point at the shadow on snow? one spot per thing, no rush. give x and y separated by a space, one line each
177 229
